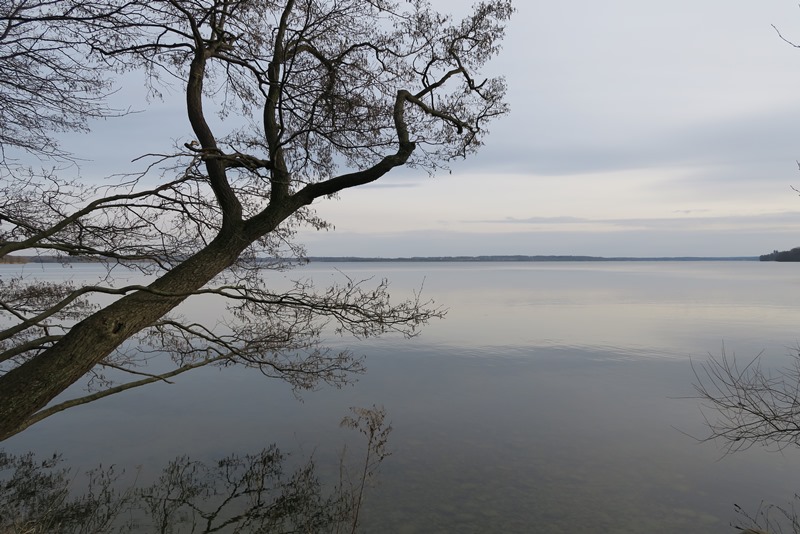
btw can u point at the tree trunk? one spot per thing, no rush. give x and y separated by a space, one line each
29 387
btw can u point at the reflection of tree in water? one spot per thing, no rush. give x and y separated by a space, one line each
750 404
238 494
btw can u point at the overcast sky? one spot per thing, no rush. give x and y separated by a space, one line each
636 129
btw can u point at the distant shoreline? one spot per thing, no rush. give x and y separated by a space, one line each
521 258
420 259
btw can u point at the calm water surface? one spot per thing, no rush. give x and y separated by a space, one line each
553 398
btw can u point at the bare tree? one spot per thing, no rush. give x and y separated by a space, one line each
748 404
330 95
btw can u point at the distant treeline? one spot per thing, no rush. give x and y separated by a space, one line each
506 258
522 258
14 259
783 255
48 259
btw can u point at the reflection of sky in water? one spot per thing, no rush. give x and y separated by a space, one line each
549 400
661 308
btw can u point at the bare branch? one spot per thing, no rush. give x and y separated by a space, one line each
748 404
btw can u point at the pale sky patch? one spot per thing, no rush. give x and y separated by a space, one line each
635 127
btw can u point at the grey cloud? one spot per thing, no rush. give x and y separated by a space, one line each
760 220
391 185
750 145
535 220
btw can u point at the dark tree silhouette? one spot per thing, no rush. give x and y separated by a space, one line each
329 95
747 404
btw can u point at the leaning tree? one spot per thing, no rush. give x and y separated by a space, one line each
318 96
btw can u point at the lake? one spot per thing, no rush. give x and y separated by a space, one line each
553 398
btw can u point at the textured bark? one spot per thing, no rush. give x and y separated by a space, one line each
31 386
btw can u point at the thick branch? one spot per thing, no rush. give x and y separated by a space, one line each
229 205
33 384
404 151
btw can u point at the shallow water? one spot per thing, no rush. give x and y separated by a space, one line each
553 398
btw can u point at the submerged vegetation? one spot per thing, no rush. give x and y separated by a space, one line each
263 492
